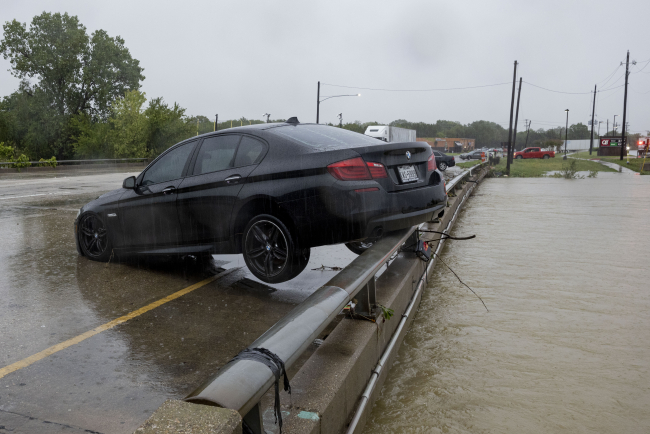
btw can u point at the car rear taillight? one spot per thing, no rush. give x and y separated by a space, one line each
431 163
377 170
354 169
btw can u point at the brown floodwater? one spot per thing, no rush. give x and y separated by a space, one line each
564 267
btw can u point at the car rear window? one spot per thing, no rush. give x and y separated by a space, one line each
216 153
249 152
324 138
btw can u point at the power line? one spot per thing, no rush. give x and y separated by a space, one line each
647 62
414 90
609 76
570 93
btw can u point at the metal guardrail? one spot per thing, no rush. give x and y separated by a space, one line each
240 384
61 162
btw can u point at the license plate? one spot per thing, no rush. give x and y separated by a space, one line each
407 173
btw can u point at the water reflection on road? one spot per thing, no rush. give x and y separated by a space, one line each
563 266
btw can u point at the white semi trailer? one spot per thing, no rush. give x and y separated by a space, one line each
390 134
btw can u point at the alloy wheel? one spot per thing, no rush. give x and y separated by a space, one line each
93 235
266 248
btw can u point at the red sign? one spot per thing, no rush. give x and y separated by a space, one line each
610 142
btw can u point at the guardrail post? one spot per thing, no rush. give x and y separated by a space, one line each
254 420
367 298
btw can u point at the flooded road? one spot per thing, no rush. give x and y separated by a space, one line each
563 267
112 381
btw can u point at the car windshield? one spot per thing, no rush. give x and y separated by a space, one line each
324 138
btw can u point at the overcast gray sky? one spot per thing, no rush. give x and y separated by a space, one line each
248 57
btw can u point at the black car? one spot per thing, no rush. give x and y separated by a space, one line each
476 155
444 161
269 191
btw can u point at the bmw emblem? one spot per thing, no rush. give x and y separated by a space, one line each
408 155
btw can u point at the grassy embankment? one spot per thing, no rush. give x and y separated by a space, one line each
535 168
635 163
468 164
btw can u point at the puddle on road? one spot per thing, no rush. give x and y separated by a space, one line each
562 266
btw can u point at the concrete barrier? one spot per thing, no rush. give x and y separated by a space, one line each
182 417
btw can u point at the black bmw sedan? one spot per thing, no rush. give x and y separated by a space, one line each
269 191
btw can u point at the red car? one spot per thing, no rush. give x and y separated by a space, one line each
534 153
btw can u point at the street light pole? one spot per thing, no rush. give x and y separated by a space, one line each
216 121
614 125
267 117
566 133
340 120
317 102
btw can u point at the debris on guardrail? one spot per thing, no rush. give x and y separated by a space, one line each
327 268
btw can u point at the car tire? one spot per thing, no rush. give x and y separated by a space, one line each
359 247
271 251
546 157
442 166
93 237
519 157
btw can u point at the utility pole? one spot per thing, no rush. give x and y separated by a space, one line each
614 125
607 132
566 133
593 112
512 107
527 133
317 102
514 135
627 73
216 121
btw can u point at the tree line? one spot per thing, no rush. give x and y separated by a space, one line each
79 97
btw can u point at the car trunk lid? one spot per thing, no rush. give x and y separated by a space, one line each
405 163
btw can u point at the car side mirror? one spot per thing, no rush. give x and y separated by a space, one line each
129 183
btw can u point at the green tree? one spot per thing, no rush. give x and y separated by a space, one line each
63 72
579 131
166 125
130 127
91 139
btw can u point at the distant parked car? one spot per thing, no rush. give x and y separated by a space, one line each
444 161
476 155
534 153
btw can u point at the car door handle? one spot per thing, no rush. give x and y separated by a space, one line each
233 179
169 190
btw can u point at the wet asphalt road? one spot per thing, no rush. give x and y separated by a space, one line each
111 382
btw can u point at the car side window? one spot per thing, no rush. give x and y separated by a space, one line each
250 152
216 153
170 166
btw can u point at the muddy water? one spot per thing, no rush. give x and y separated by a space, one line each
565 347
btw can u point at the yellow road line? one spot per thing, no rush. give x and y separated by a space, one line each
109 325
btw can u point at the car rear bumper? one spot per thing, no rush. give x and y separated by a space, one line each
342 214
389 223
